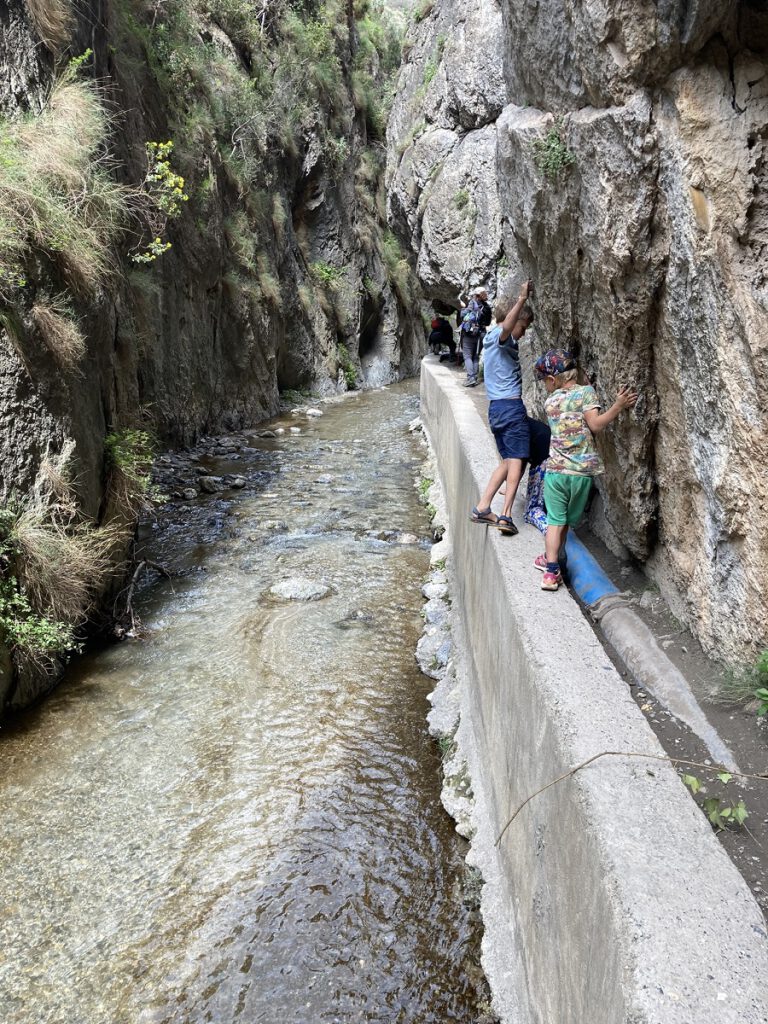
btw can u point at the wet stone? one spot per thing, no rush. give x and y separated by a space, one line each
211 484
189 493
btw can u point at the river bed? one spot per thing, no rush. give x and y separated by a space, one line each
238 817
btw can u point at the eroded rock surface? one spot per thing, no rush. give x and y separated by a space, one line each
648 250
442 144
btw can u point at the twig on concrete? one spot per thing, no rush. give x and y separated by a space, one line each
626 753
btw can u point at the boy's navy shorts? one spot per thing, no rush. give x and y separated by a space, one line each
509 422
540 438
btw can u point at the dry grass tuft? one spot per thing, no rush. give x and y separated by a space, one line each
56 193
62 563
52 20
61 332
268 283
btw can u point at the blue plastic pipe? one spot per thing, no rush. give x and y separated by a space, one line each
584 574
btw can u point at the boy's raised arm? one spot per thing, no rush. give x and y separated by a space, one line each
511 318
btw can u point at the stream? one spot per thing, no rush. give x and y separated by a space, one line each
238 818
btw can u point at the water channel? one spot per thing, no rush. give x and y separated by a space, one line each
238 818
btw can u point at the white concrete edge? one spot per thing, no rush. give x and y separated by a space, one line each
620 845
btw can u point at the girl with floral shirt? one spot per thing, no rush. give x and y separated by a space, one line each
574 416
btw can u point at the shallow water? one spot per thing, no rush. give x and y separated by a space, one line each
238 818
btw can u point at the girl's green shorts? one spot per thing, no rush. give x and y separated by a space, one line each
565 496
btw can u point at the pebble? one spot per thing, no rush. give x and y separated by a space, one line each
238 482
295 430
279 431
314 412
210 484
266 433
189 493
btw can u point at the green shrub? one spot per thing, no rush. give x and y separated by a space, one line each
399 271
54 564
551 154
23 631
129 455
423 9
430 70
346 366
164 194
326 274
461 199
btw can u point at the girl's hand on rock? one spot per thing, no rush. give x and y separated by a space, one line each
626 397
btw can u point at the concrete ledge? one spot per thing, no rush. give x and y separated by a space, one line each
609 898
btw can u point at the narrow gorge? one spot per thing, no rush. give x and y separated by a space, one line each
237 559
135 316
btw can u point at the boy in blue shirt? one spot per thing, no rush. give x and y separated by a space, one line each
507 416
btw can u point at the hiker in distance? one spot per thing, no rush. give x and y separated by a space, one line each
473 319
507 417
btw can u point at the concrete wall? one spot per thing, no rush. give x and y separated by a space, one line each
609 898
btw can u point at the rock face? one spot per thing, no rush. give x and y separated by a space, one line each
198 341
649 254
442 190
277 277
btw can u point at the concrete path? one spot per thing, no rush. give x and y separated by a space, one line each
609 898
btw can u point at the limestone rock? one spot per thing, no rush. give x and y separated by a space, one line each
649 251
441 177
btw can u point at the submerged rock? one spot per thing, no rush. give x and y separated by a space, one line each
299 588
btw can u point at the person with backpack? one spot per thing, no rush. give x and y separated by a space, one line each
442 334
473 319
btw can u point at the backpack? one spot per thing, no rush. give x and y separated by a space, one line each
470 319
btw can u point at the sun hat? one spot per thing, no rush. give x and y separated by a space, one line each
557 360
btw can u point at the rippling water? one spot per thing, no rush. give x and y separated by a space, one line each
238 819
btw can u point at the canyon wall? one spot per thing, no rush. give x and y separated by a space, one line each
626 174
281 273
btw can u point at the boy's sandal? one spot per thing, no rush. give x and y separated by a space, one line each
506 525
484 515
